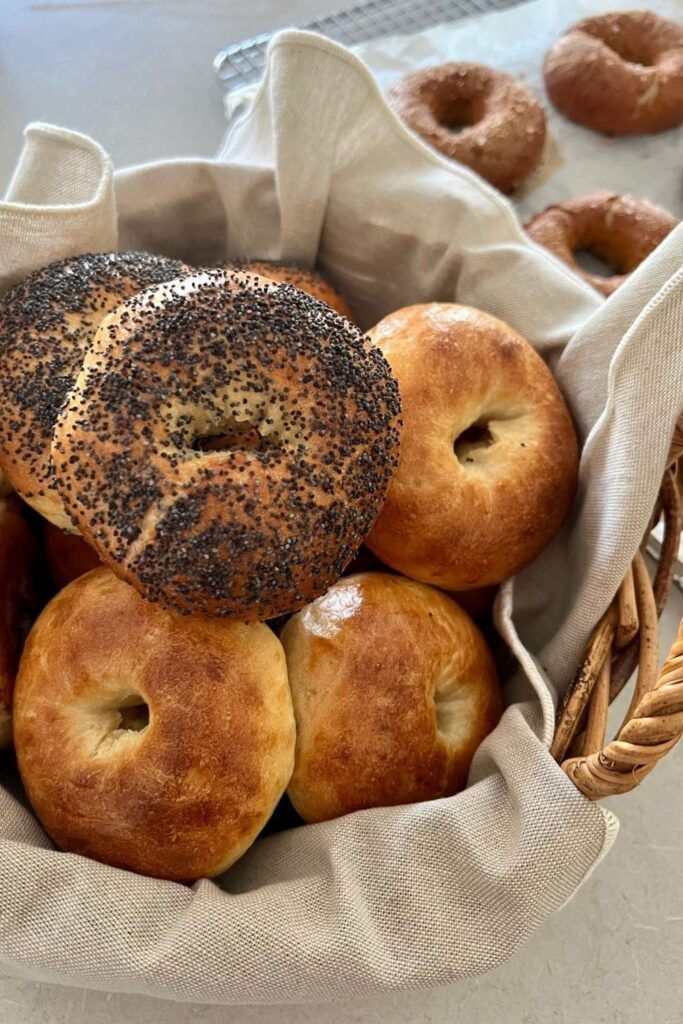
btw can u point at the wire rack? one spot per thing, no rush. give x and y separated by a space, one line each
243 63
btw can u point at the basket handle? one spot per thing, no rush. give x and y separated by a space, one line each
651 730
626 636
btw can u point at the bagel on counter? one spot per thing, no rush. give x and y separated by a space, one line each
502 124
310 281
619 73
19 601
393 688
489 457
242 471
47 323
68 556
621 230
148 741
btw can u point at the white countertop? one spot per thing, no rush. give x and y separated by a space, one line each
138 76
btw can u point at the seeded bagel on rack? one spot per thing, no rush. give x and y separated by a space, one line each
502 123
228 444
310 281
619 73
621 230
47 322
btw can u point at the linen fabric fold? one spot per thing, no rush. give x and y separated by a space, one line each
318 169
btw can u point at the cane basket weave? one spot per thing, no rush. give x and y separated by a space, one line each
626 641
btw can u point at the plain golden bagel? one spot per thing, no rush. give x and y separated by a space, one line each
394 689
489 457
228 445
621 230
502 123
19 600
310 281
47 323
151 742
619 73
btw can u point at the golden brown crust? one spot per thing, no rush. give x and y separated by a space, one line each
488 462
18 601
68 555
47 323
236 530
621 230
619 73
393 688
184 797
476 603
306 280
504 131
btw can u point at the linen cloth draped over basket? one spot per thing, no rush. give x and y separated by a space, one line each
317 168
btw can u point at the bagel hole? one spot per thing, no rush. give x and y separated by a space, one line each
630 56
457 115
133 714
474 438
591 262
243 436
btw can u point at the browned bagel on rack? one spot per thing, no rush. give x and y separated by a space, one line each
619 73
502 123
621 230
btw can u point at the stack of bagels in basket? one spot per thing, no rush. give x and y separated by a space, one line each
194 459
243 545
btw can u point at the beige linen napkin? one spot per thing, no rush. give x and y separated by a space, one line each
318 168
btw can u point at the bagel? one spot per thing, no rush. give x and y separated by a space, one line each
504 124
393 688
19 598
47 323
621 230
488 463
619 73
150 742
309 281
67 555
227 445
477 603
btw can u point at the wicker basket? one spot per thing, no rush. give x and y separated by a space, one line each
625 639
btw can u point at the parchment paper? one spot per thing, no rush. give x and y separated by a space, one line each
576 159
